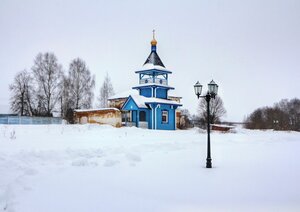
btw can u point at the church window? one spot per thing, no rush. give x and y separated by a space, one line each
164 116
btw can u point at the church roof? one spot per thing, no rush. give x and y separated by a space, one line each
96 109
150 68
124 94
152 85
142 101
161 101
154 59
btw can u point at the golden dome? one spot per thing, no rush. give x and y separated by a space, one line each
153 42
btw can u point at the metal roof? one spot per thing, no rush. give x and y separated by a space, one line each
154 59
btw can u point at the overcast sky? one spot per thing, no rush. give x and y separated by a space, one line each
250 48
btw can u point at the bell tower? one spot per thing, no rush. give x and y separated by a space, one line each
153 76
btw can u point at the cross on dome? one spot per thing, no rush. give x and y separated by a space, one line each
153 42
153 58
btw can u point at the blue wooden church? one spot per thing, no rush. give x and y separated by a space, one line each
151 107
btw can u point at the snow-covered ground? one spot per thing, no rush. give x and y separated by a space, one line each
101 168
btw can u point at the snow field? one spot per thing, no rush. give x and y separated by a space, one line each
101 168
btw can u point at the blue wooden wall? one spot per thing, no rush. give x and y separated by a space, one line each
147 92
171 118
161 93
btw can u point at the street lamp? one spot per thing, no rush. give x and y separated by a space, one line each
276 123
211 93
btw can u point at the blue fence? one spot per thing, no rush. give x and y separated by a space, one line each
29 120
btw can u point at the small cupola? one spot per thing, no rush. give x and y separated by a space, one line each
153 58
153 42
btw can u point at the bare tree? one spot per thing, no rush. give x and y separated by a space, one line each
106 91
284 115
48 76
216 108
294 114
292 110
81 84
21 88
67 110
185 119
65 100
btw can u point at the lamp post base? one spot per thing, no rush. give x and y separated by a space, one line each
208 163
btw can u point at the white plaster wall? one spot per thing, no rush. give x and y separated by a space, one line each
83 120
111 120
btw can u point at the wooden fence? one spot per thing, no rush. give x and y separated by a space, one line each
7 119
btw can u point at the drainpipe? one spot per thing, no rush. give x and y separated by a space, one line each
151 115
157 106
175 118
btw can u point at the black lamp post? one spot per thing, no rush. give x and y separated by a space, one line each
211 93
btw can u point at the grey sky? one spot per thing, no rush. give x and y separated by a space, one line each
250 48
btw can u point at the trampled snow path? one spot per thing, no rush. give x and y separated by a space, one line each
100 168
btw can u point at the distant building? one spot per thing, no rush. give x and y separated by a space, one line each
149 105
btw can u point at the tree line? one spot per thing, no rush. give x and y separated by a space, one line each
284 115
47 89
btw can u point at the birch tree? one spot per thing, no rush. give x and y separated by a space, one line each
65 100
106 91
47 73
81 85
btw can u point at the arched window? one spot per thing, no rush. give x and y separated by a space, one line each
142 116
